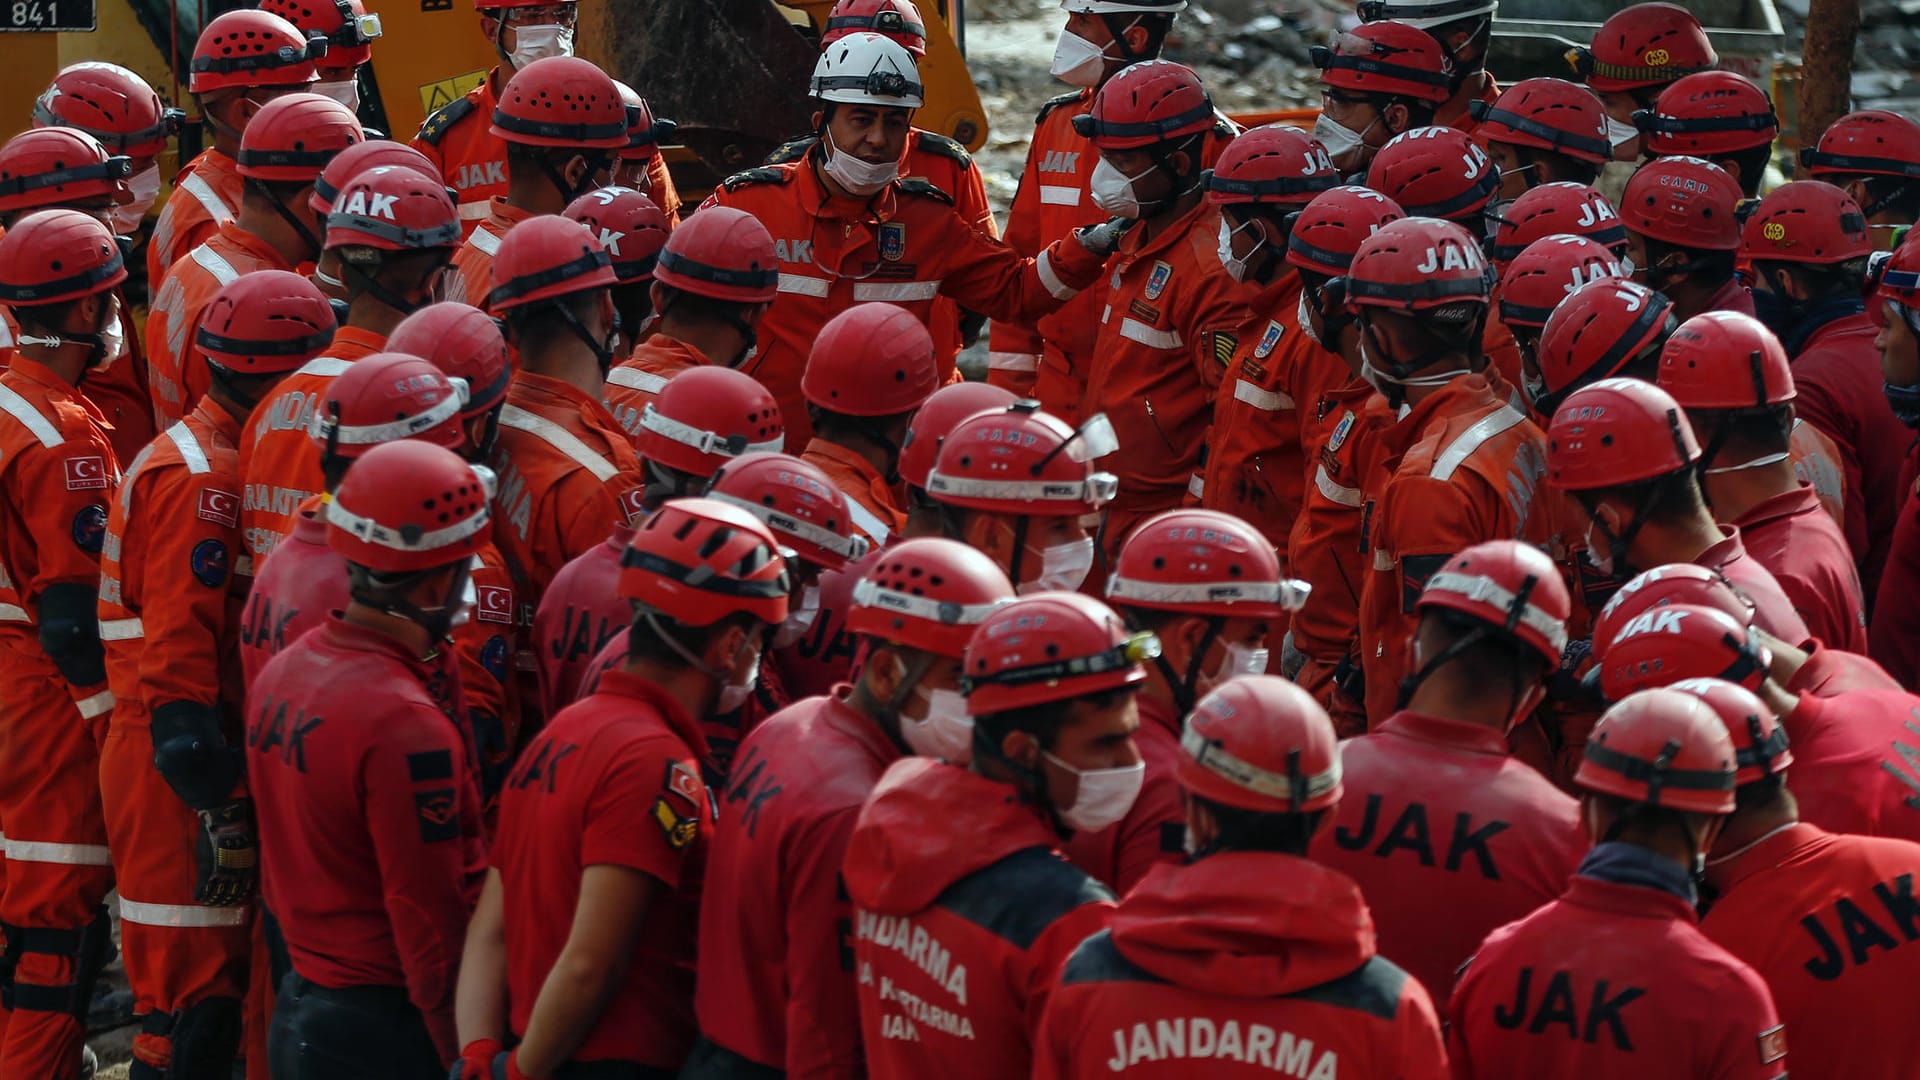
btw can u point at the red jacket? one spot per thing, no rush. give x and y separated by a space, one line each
777 984
1613 980
371 845
1448 837
723 733
580 612
826 654
1733 296
1824 919
1856 761
615 780
1816 461
1772 611
1208 970
1895 632
963 913
293 592
1794 539
1829 672
1155 828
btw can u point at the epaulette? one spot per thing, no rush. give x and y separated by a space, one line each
1054 103
792 150
1223 127
921 186
443 118
945 147
762 175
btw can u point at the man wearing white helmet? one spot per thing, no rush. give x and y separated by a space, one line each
1463 28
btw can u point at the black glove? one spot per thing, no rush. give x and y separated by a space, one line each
229 855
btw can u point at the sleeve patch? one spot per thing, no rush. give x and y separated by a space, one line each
1224 345
430 765
494 603
681 829
435 809
90 528
684 785
493 657
1773 1044
86 472
220 507
209 562
1414 572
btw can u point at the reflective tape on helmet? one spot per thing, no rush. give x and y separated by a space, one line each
320 428
868 593
702 441
850 548
370 531
1289 593
1097 490
1294 790
1482 589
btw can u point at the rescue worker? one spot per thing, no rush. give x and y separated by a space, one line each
1461 465
1492 628
1543 131
179 821
1639 51
349 33
1731 375
1619 955
936 419
968 856
1682 235
1785 894
345 167
58 272
606 823
870 369
275 228
1264 983
1535 284
712 282
1808 244
561 120
1606 328
242 60
1255 465
121 110
1874 156
1463 29
1718 116
1895 634
1390 74
369 811
775 995
394 229
639 165
1210 589
632 230
1558 208
849 228
1047 358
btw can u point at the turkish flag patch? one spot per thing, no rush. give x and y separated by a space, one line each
495 603
681 781
220 507
632 504
437 814
88 473
1773 1044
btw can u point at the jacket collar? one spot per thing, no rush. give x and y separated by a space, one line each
1442 732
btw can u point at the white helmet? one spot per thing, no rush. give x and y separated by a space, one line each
867 69
1425 14
1123 7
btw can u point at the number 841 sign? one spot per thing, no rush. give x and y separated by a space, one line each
47 16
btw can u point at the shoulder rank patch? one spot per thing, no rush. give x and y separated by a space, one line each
1055 103
1157 281
677 810
921 186
1268 340
1340 432
763 175
792 150
445 117
938 144
1224 345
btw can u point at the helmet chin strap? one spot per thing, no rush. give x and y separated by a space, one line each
299 227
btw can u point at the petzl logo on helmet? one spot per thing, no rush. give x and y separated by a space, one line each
1157 281
893 241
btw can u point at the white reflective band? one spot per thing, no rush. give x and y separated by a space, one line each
133 470
1288 593
1471 439
372 532
6 332
13 613
1013 361
122 629
896 292
1264 400
96 705
189 447
1482 589
1197 486
1382 560
1060 290
867 522
804 285
485 242
393 430
1345 496
867 593
326 367
31 418
476 211
67 854
634 379
203 193
1210 756
210 261
847 547
134 911
1135 330
1098 489
513 416
703 442
1059 195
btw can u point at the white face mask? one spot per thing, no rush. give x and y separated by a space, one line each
1338 138
945 732
1304 315
1112 190
1235 267
800 619
1063 567
1603 564
1620 133
735 695
346 92
1104 797
1240 659
469 599
1753 463
539 42
113 339
1077 61
857 176
145 186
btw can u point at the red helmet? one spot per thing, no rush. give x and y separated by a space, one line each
1202 562
1261 743
561 101
1425 14
1725 360
1644 45
387 397
1547 114
928 594
1900 278
1326 234
1662 645
1550 270
896 19
1145 104
462 341
1418 263
645 132
345 24
797 501
408 506
630 227
1708 114
697 561
1051 646
938 416
1595 332
1661 748
249 48
1684 201
1421 170
1759 742
266 322
1617 432
111 104
1387 58
1806 221
58 167
722 253
292 138
707 416
51 256
871 360
1559 207
1873 142
393 208
348 164
1510 586
1666 586
1272 164
1026 462
544 258
497 7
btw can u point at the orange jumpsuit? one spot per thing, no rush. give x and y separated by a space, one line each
638 379
169 614
278 458
176 369
1453 113
1474 470
873 504
57 473
473 263
206 195
118 390
906 245
1167 334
